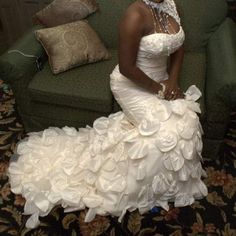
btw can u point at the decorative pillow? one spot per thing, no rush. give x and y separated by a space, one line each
70 45
65 11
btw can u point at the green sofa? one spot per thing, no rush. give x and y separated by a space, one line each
78 96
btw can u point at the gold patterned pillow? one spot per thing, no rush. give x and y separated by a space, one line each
65 11
71 45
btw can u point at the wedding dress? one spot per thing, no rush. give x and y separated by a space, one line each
147 155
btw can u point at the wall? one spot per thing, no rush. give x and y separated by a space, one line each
15 18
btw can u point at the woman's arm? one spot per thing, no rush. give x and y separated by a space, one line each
130 33
176 61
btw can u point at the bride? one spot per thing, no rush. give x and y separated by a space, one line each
147 155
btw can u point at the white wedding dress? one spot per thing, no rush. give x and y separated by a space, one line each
147 155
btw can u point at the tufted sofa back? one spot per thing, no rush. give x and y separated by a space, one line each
199 19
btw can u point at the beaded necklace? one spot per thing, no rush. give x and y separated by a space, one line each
160 16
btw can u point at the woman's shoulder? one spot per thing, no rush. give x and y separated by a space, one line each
134 12
133 20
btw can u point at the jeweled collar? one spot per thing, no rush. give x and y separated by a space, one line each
155 5
167 6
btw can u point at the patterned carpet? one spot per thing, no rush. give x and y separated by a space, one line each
214 215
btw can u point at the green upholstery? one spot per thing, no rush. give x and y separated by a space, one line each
194 72
225 58
42 115
200 19
222 98
17 69
15 66
71 88
106 21
78 96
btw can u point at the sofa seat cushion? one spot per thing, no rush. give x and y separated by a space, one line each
86 86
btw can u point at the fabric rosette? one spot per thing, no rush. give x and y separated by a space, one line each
192 93
173 161
166 140
188 125
148 127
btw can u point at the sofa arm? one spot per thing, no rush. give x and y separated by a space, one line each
221 78
14 67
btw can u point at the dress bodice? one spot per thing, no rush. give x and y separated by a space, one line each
154 50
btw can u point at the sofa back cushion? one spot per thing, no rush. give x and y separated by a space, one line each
106 20
199 19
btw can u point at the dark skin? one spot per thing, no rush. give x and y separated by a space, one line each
136 23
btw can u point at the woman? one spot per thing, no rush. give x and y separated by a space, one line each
147 155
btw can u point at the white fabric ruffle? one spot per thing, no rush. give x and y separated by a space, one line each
94 167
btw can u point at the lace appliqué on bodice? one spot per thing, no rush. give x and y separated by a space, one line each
161 44
154 50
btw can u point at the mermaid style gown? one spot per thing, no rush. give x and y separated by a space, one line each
147 155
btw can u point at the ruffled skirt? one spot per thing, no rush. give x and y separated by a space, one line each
145 156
